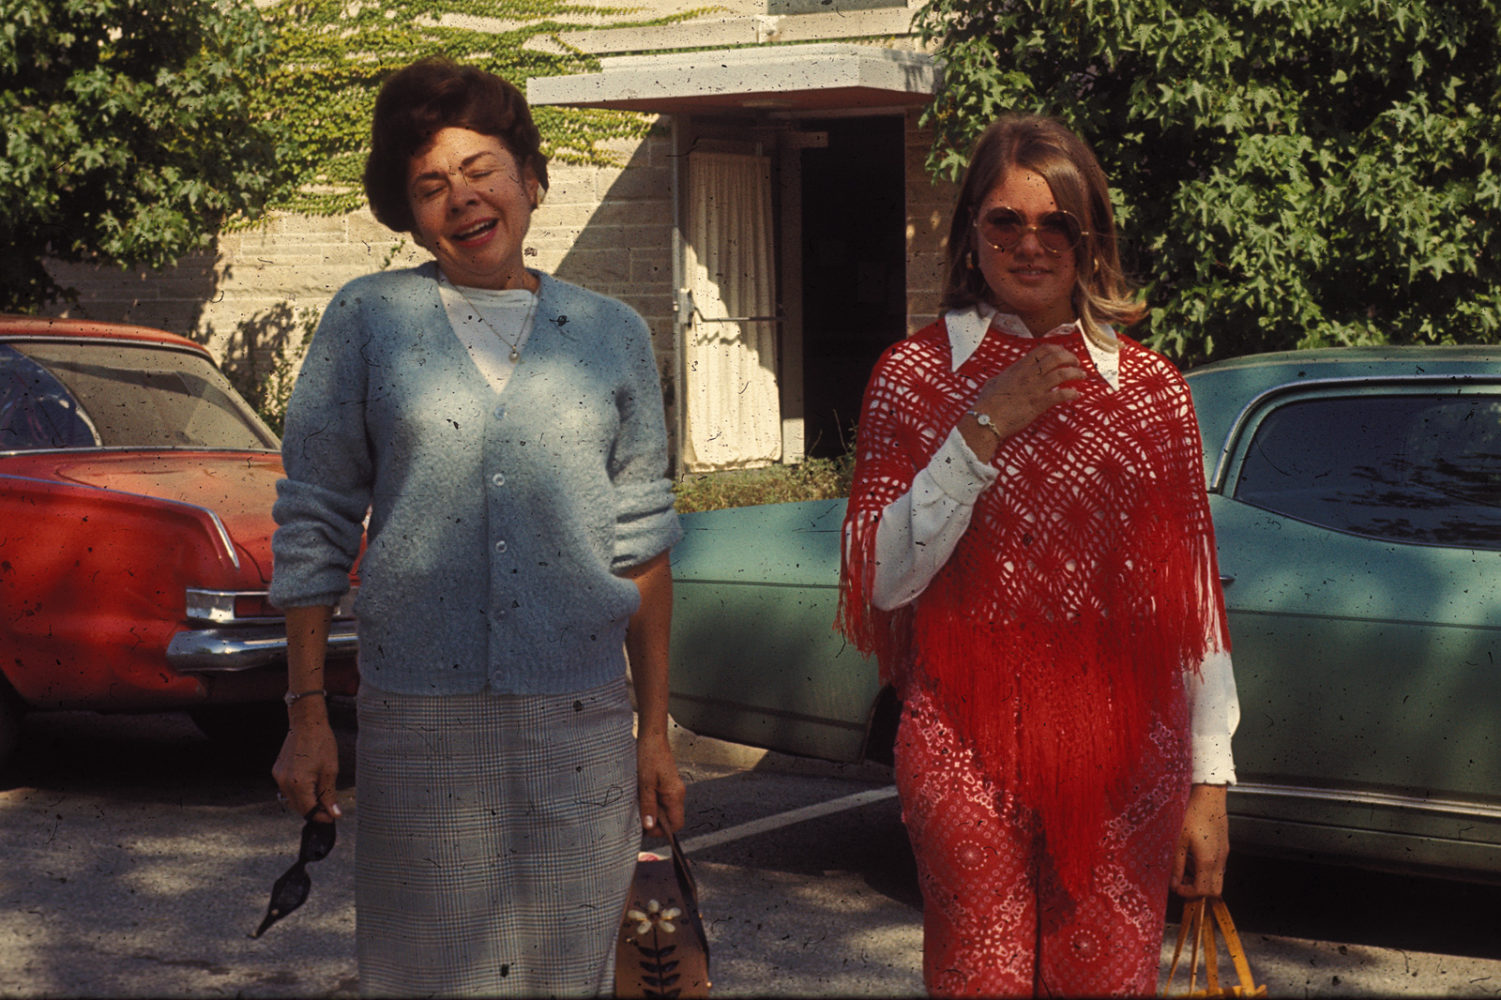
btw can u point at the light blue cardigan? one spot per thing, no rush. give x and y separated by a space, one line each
497 522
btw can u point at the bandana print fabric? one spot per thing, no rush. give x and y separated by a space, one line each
993 923
1084 585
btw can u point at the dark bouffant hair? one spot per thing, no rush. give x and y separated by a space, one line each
423 99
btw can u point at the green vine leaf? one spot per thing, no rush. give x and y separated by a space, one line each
333 55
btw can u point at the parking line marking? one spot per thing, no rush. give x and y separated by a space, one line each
775 822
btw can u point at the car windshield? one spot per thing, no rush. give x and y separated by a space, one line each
58 394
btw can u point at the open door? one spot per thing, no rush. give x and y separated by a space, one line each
852 271
789 231
793 261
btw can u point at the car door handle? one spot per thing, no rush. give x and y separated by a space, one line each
1225 581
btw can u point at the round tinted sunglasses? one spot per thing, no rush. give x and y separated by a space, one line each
1004 228
291 890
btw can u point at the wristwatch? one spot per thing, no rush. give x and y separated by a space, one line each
983 419
292 696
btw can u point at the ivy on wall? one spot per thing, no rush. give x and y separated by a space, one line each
331 57
328 62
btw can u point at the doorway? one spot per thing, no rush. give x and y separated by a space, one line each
853 279
837 202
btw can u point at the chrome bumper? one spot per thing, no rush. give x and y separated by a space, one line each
247 647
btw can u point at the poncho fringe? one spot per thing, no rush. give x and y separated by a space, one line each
1084 586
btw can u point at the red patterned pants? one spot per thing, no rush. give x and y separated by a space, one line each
995 920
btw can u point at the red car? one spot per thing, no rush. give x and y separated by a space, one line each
135 535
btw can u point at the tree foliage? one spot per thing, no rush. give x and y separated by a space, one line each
333 55
128 132
137 130
1287 173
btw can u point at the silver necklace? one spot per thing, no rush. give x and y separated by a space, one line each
514 345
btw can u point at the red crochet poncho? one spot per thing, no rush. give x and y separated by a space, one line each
1085 584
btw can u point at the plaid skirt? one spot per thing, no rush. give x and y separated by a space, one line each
496 840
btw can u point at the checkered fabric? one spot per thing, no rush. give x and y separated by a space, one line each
497 838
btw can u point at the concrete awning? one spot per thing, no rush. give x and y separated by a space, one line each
759 78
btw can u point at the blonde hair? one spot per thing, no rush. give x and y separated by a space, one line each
1048 148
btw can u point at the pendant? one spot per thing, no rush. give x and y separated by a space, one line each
515 355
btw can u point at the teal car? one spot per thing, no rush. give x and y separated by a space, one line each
1356 495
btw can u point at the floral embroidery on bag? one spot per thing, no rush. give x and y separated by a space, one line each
655 917
659 970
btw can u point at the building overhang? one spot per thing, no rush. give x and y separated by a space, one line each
765 78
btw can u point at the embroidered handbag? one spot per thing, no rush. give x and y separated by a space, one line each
1200 917
662 950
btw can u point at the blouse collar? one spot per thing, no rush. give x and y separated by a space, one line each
967 328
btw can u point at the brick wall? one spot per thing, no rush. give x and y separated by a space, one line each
608 228
928 206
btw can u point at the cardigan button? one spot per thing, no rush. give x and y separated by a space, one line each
500 546
498 479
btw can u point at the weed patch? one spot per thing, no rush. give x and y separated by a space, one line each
814 479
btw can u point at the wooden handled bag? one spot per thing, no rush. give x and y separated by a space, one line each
662 950
1198 925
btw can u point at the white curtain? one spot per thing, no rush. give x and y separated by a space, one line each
733 418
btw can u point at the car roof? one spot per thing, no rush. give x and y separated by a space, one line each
38 327
1386 359
1222 390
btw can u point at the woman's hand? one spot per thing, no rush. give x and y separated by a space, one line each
1021 394
1206 839
658 785
308 765
307 768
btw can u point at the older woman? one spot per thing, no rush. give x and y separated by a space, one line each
1028 550
503 433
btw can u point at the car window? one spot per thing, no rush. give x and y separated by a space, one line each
36 411
131 396
1422 468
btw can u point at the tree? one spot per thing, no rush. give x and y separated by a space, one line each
1287 173
332 56
129 136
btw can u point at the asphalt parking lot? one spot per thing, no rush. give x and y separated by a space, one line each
140 860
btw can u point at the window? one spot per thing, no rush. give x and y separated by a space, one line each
70 395
1422 468
35 410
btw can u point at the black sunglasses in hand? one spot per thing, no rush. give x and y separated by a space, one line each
290 891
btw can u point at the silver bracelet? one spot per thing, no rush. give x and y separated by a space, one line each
291 696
